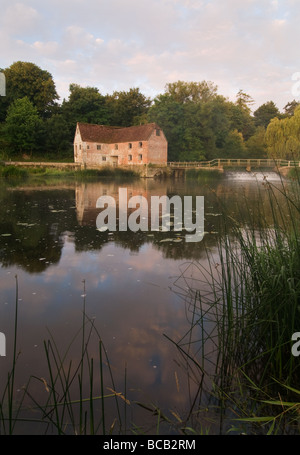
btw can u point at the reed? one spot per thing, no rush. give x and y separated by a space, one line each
13 173
246 303
202 175
73 389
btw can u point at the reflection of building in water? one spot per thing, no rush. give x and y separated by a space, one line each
88 194
110 207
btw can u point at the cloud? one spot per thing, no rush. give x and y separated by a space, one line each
116 45
19 19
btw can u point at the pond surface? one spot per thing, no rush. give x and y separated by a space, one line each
131 285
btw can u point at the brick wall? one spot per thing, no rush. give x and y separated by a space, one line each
157 148
133 153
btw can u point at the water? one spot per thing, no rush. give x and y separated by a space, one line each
134 287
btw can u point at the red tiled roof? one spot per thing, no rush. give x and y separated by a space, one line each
113 134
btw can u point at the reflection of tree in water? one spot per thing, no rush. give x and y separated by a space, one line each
172 247
171 243
31 225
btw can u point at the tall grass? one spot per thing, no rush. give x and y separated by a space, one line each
13 173
202 175
74 390
246 302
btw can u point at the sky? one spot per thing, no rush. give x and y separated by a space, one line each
115 45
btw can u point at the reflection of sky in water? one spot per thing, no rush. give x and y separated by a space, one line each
127 287
133 307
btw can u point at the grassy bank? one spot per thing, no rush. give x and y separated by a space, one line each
19 174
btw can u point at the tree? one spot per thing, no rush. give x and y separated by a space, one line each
220 123
23 126
256 144
265 113
25 79
199 139
244 101
234 146
169 115
85 104
283 137
184 92
241 120
290 107
127 108
58 136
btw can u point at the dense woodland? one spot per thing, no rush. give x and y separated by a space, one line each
199 123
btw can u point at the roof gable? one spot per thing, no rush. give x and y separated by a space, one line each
112 134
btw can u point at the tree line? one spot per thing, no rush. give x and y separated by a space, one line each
199 123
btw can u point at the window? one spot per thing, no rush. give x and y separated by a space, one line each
98 147
116 146
88 147
140 144
140 157
157 132
130 145
79 146
103 158
129 157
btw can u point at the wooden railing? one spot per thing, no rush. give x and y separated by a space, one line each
234 162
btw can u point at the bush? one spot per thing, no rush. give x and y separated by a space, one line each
13 173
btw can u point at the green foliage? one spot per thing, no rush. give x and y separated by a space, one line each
85 104
22 126
12 173
58 134
184 92
264 114
199 124
107 172
168 114
244 101
234 146
256 144
27 79
198 136
127 108
241 120
289 108
220 122
203 175
283 137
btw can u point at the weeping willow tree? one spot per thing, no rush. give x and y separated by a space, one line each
283 137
